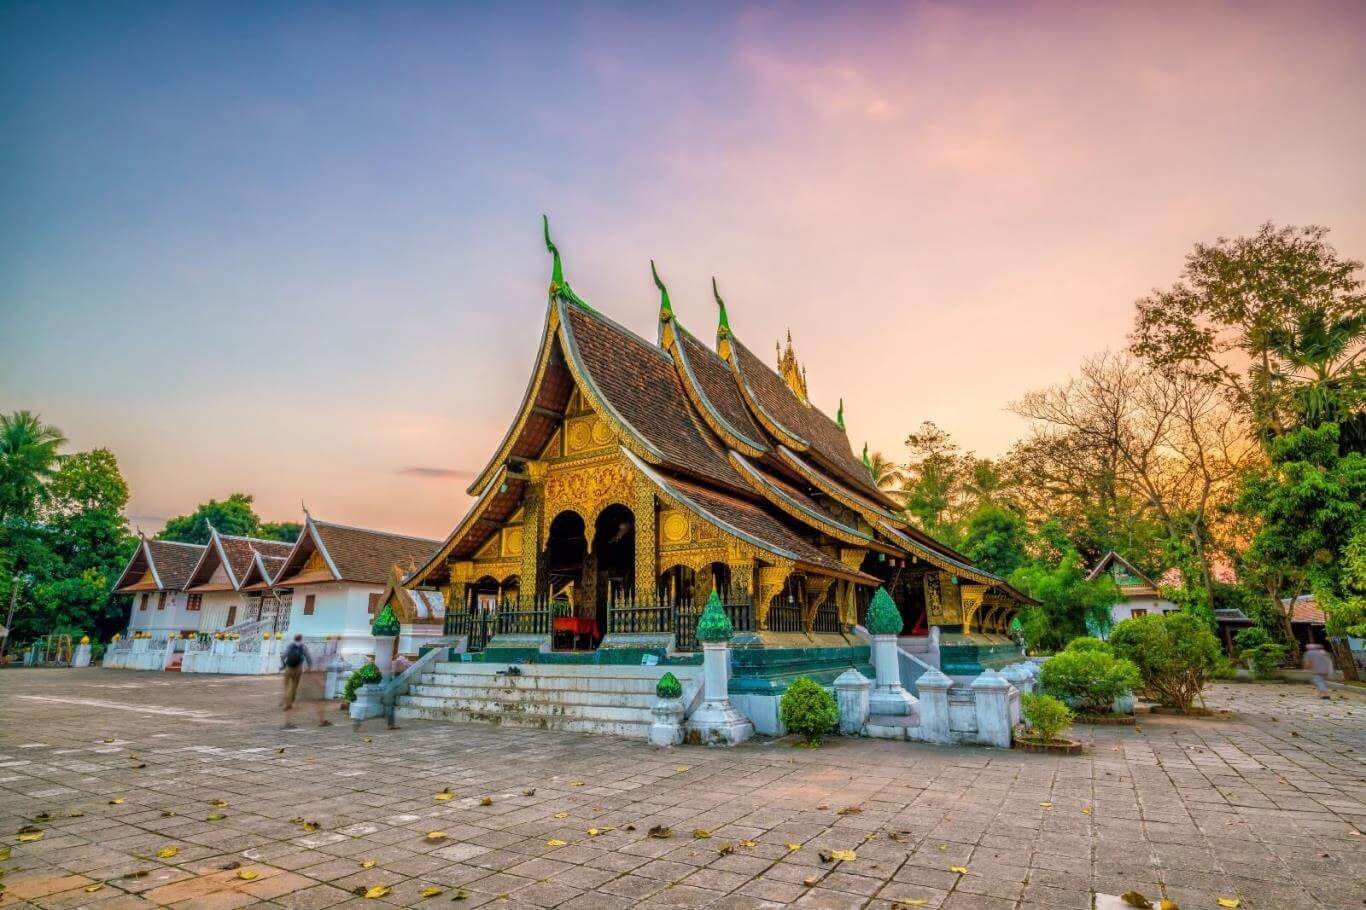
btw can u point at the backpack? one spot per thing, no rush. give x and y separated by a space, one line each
294 655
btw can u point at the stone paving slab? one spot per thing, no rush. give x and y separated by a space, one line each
1263 803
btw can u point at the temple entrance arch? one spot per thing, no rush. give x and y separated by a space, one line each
678 586
565 550
613 562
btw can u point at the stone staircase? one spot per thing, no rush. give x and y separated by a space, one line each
614 700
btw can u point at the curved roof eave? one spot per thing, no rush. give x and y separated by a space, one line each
780 498
632 439
949 564
472 515
719 424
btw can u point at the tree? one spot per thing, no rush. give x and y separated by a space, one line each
28 459
996 539
886 475
1070 604
233 515
287 531
1274 320
1308 505
86 481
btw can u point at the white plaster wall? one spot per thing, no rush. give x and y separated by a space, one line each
173 618
340 609
213 613
1121 612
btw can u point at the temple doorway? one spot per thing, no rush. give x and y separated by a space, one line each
614 553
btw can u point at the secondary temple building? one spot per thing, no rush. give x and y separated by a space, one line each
637 477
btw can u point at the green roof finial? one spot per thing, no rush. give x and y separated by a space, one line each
666 309
839 415
558 286
867 463
722 327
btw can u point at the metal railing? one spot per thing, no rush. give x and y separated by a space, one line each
478 627
827 618
641 619
524 622
685 616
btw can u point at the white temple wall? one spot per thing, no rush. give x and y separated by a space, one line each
340 608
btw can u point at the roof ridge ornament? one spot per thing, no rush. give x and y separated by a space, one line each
723 321
839 415
559 288
867 463
666 309
791 370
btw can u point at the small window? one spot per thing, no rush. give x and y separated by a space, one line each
161 601
142 604
232 615
373 606
309 602
193 602
1138 611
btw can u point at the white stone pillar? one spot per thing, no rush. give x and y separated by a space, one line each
933 706
851 691
991 693
384 653
82 656
716 721
667 729
337 673
1018 675
888 697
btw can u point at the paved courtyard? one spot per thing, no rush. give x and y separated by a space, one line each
156 789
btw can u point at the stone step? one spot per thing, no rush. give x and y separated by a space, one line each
890 726
542 683
440 689
481 705
631 729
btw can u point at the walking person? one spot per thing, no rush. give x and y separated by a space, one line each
1319 663
388 699
292 662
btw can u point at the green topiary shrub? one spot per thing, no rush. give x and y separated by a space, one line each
714 625
1176 655
1089 643
1265 659
883 617
668 687
807 709
1088 680
1046 714
367 673
386 623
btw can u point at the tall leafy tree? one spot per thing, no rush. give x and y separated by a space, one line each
28 459
1069 604
287 531
996 540
233 515
1275 320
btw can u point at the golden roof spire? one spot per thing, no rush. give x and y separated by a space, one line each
791 371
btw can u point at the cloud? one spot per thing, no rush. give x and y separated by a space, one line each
438 473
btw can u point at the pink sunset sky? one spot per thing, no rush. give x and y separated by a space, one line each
296 251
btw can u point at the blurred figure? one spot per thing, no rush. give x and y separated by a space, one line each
1318 662
388 700
293 662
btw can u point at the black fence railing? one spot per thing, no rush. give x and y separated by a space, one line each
478 627
785 618
685 616
827 618
640 619
524 622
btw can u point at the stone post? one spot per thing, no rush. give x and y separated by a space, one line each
884 623
337 672
934 706
851 691
667 729
82 656
1019 676
717 722
991 693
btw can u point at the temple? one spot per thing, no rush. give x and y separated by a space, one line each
636 478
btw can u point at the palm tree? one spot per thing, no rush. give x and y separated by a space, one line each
887 476
28 459
1318 363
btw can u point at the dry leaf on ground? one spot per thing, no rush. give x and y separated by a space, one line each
961 870
700 833
429 891
486 801
1134 899
367 864
555 842
661 832
376 891
247 875
168 852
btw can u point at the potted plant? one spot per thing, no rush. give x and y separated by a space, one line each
1047 718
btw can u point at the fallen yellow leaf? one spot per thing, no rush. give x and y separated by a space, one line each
247 875
436 836
561 815
1046 805
29 836
555 842
576 783
701 833
749 843
310 827
594 832
1167 905
844 856
4 854
444 795
1086 810
961 870
681 769
911 902
218 803
1229 902
116 801
486 801
376 891
794 846
429 891
1135 899
91 889
215 817
167 852
367 864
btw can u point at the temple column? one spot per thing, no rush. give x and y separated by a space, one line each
771 581
647 543
529 586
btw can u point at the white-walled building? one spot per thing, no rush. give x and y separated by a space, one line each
1141 594
219 577
336 575
156 576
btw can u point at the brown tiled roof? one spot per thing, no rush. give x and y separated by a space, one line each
788 498
826 440
173 563
240 549
641 384
717 388
368 556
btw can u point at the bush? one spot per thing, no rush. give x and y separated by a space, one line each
365 674
1046 714
1176 654
1088 680
668 687
1265 659
808 709
1089 643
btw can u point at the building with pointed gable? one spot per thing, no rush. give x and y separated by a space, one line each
221 576
157 576
335 575
1141 594
636 478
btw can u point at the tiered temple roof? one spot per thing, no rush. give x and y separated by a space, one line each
327 552
718 432
159 565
